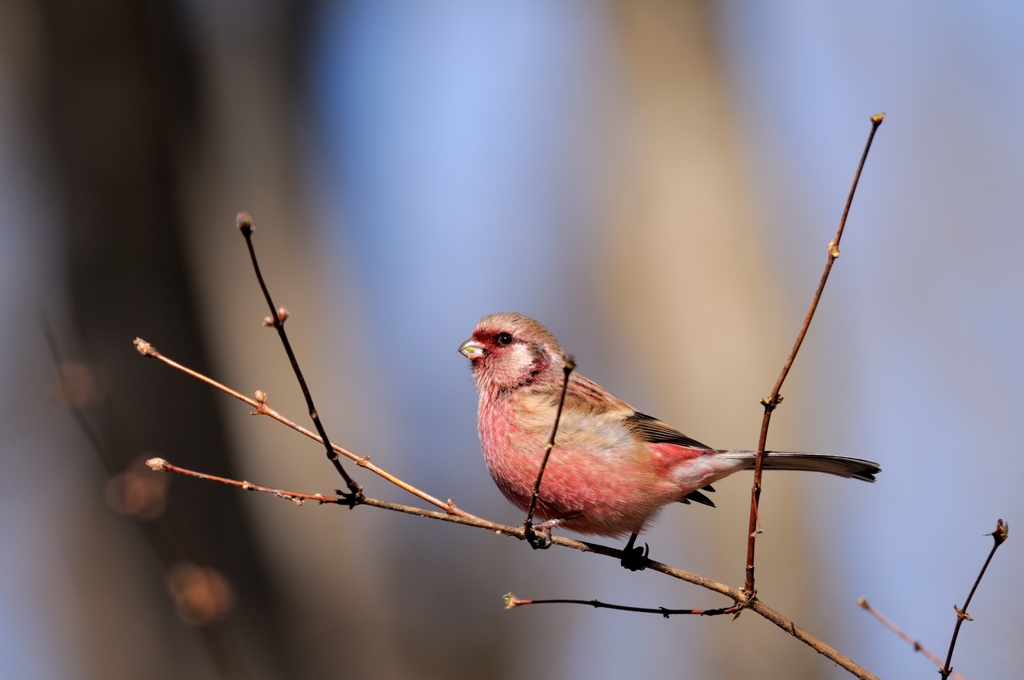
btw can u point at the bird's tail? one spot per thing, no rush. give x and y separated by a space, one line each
840 466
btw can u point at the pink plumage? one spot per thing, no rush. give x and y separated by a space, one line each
611 469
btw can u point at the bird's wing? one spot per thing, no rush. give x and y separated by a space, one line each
585 395
652 430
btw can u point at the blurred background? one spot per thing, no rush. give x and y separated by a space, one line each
655 181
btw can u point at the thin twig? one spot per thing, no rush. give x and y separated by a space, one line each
567 368
775 398
1000 535
918 647
263 409
511 602
739 597
277 319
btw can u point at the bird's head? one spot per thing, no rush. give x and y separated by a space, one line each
511 350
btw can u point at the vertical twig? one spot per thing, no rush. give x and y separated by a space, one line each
1000 535
775 398
277 319
568 367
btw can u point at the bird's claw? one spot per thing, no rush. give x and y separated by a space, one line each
350 498
635 559
539 537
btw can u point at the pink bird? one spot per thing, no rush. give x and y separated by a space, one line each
612 468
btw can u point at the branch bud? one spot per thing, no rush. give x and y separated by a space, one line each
157 464
145 349
244 223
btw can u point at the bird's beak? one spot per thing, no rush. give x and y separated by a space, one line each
471 349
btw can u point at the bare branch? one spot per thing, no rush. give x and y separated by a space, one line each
774 399
511 602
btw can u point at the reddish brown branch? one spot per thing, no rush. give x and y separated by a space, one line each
511 602
567 368
277 319
774 399
739 597
918 647
1000 535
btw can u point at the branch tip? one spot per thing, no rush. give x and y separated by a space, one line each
244 222
1001 533
157 464
511 601
145 349
878 118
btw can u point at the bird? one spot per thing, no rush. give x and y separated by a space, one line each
612 468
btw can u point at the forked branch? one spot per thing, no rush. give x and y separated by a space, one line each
742 599
276 319
262 407
739 598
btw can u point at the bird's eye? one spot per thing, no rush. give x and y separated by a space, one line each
504 339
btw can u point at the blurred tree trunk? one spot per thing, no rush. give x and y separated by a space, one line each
115 84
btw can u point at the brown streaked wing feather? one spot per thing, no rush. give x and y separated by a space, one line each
590 396
656 432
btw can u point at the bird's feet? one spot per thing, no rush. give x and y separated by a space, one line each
351 498
634 558
539 536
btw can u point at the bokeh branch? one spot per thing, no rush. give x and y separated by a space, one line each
774 399
918 647
201 595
